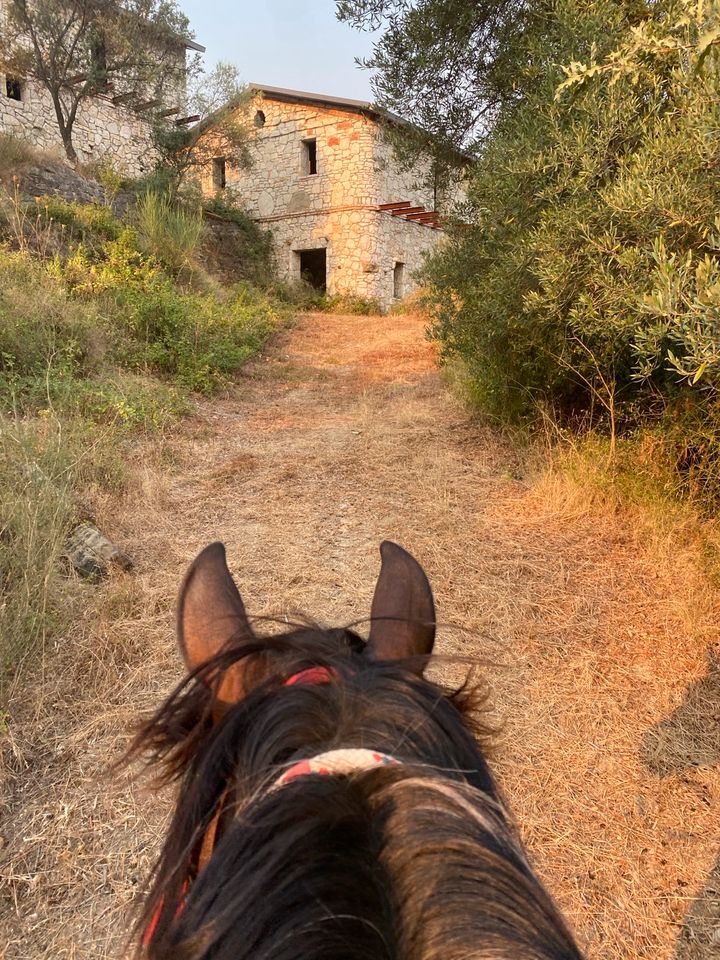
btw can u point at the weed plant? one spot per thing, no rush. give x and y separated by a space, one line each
170 232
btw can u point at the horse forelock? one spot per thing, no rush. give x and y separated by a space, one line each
417 860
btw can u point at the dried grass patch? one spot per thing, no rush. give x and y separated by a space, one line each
593 640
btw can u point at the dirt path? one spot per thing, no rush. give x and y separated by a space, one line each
343 435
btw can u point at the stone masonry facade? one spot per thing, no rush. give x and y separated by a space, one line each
321 174
103 131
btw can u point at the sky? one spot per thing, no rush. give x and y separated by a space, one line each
283 43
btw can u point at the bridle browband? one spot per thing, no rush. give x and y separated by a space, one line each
340 762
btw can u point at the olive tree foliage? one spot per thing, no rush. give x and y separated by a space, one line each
219 100
442 64
681 308
438 66
76 49
587 275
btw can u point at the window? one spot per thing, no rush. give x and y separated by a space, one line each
309 157
13 87
398 281
259 119
218 173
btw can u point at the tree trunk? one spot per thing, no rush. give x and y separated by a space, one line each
66 134
65 127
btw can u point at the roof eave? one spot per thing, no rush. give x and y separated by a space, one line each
343 103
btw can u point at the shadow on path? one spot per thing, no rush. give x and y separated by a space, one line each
688 738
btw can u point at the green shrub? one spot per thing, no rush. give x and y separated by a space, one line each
256 236
588 277
195 340
298 296
111 180
246 254
358 306
169 232
303 296
44 332
118 265
87 221
67 327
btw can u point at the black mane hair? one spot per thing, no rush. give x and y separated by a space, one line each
415 861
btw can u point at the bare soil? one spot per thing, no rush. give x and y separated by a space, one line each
598 647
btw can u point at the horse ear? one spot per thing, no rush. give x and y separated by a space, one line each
211 617
403 612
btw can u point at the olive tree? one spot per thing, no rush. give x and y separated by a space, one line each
133 51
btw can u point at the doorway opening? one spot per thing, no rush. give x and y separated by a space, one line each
313 267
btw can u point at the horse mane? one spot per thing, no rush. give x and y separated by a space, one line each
419 860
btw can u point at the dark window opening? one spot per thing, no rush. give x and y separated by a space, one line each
309 157
259 119
398 281
219 173
313 268
13 87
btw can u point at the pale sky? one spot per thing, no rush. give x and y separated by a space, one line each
283 43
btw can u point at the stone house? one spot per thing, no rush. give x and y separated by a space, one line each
107 127
343 213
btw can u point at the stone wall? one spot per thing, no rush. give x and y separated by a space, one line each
355 164
277 185
362 248
406 243
394 181
102 131
336 208
349 239
59 179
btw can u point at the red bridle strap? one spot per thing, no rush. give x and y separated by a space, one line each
312 676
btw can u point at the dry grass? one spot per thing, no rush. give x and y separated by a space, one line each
596 644
17 154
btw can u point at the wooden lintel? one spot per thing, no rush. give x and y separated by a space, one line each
148 104
123 97
397 205
422 215
169 112
185 120
78 78
408 211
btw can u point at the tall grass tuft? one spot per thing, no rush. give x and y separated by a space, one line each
36 508
15 153
167 231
